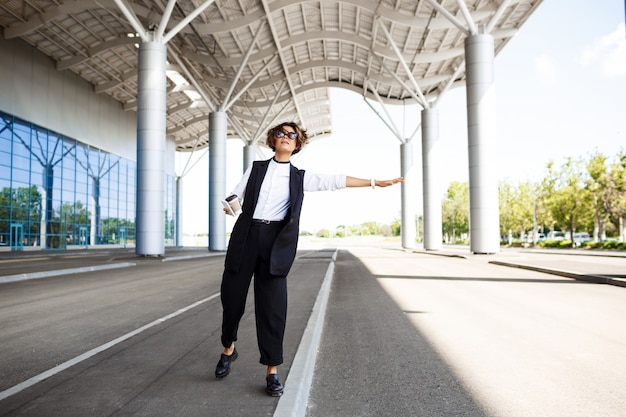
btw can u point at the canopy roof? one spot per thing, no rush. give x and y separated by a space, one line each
264 61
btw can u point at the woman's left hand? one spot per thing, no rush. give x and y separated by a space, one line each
387 183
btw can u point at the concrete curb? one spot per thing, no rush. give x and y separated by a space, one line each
68 271
435 253
183 257
596 279
295 398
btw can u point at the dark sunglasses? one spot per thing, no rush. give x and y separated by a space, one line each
281 134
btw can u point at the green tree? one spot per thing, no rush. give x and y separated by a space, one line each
569 200
396 226
616 194
518 204
599 187
455 211
21 205
507 197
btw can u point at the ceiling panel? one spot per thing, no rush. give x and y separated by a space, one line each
303 48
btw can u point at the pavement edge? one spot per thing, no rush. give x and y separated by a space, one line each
295 398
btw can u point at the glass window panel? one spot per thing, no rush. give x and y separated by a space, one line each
81 163
68 185
69 170
94 161
21 162
5 156
39 142
21 140
5 173
21 176
81 190
55 150
5 228
113 204
19 150
5 121
68 196
73 166
5 143
16 185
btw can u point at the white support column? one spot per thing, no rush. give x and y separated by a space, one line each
432 192
151 116
179 211
481 126
407 225
249 155
217 180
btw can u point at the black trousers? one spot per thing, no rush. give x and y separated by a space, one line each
270 295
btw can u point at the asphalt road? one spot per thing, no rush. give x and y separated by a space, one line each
405 334
138 340
411 334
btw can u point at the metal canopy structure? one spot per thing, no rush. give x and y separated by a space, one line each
262 60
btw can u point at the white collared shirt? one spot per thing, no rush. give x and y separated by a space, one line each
273 201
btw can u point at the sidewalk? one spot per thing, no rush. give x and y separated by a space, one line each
597 266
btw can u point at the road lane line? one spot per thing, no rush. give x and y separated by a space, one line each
68 271
59 368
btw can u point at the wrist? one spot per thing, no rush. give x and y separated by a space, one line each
373 183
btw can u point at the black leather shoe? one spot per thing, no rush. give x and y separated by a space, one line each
274 387
223 366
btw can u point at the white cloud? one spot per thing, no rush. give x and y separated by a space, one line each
608 53
545 67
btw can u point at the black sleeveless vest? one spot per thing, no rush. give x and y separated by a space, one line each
286 243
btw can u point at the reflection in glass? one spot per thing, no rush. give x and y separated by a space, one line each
58 192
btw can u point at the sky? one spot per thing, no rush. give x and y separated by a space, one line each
560 92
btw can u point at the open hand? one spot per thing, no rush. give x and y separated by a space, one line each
387 183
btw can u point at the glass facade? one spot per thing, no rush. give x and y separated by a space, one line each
56 192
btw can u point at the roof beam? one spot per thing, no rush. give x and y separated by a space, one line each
467 16
192 79
225 105
402 61
183 23
268 16
498 14
167 13
457 72
91 52
132 19
456 22
261 126
249 83
389 121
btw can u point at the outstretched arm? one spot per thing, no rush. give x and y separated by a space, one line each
362 182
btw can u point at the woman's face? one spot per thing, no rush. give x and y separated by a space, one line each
285 139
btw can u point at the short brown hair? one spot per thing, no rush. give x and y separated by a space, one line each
301 140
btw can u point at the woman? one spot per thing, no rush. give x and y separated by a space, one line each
263 243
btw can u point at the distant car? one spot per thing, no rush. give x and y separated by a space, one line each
556 235
579 238
529 237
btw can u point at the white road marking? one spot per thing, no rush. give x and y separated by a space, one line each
59 368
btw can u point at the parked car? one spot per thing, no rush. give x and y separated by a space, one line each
556 235
529 237
579 238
